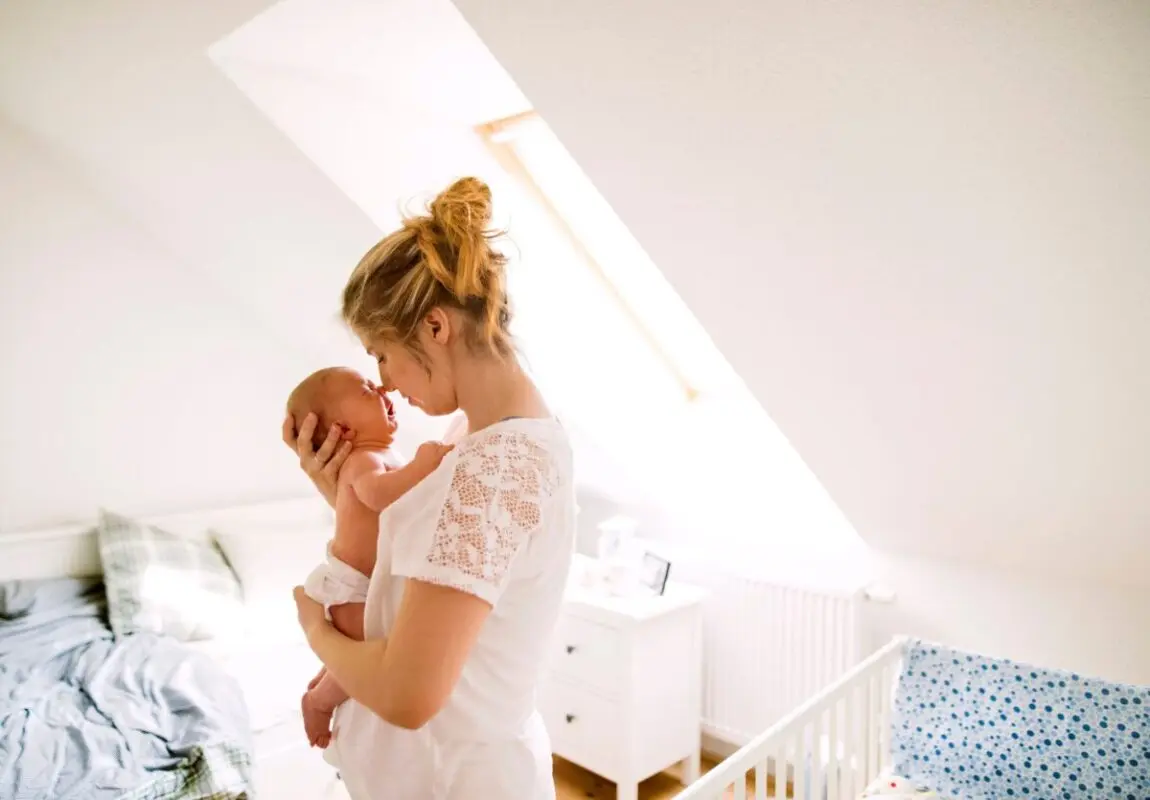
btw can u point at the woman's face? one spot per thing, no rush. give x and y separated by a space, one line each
424 383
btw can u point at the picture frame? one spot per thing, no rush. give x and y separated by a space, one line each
654 573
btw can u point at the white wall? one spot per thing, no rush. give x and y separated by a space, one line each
129 380
128 92
1088 627
918 232
171 265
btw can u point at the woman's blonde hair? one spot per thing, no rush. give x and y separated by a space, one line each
445 258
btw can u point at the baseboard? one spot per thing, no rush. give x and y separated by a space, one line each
716 748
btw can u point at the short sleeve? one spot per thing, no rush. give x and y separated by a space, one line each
494 504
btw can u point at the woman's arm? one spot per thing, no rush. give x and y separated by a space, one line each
321 466
408 678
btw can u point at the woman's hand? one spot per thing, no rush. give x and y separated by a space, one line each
321 466
311 616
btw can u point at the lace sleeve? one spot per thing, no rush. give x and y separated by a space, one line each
494 504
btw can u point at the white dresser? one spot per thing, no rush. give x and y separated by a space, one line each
623 693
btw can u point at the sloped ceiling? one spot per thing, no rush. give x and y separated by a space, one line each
413 55
170 265
171 252
126 92
918 230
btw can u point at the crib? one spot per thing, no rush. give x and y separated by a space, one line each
853 713
964 724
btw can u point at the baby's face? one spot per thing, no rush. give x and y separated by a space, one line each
363 407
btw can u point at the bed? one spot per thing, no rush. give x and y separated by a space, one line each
84 715
920 719
105 693
271 677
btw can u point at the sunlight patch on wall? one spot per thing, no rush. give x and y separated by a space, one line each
642 371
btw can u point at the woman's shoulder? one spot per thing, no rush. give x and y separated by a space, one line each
530 449
544 435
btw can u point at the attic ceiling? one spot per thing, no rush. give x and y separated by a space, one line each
412 54
918 231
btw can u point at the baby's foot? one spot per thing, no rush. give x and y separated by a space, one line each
316 721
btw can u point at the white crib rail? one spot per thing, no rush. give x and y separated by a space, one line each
829 748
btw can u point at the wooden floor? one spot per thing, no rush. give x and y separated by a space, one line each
576 783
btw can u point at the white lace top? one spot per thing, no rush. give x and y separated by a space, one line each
496 520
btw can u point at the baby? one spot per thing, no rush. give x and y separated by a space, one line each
366 485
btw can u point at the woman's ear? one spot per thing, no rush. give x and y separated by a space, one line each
438 324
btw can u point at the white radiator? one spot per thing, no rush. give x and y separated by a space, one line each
769 646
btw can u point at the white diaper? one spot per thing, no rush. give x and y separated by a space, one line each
334 583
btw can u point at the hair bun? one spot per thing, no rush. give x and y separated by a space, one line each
461 216
463 209
445 257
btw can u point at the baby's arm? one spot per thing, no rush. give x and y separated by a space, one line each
378 489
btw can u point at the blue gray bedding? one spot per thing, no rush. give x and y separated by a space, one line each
84 716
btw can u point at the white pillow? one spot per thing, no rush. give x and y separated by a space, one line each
167 584
269 560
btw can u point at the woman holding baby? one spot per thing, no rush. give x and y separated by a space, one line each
472 562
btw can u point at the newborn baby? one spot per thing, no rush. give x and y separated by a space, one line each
366 486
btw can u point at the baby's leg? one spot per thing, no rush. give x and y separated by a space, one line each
348 619
318 707
324 694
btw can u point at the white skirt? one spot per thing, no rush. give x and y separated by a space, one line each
378 761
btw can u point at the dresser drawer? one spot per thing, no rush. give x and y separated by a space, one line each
584 727
589 653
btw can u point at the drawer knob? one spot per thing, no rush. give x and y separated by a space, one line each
570 718
570 649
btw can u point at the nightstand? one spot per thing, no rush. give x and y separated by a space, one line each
622 696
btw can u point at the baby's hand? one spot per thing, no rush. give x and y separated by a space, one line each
430 455
316 720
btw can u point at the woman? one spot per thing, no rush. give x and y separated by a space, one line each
472 563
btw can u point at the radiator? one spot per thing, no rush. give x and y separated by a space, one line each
769 646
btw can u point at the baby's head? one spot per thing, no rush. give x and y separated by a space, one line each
339 394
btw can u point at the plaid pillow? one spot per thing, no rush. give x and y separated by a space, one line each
167 584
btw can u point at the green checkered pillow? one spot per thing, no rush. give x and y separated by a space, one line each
167 584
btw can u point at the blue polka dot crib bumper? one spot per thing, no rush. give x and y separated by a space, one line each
982 728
